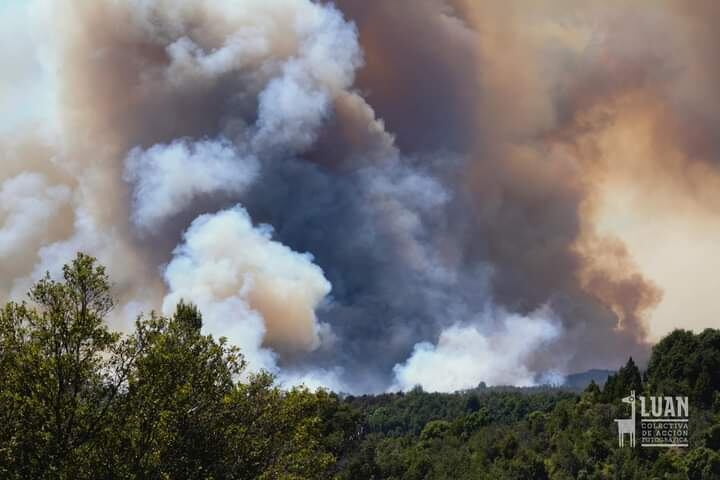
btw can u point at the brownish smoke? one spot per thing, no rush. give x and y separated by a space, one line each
520 138
555 102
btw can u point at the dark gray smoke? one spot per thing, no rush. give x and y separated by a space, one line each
362 195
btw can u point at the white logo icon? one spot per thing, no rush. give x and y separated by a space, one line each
627 425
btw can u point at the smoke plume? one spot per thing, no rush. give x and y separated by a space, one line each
371 195
463 354
251 289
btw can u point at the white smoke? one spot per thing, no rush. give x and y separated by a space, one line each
465 355
250 288
276 67
315 379
23 73
168 178
27 205
292 57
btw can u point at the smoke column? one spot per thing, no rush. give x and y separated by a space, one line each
370 195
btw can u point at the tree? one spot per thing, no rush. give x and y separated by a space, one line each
703 464
188 314
684 363
712 437
472 404
620 385
593 390
62 373
172 423
165 401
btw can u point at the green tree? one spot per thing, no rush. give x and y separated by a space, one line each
620 385
712 438
165 401
62 373
703 464
686 363
188 314
172 422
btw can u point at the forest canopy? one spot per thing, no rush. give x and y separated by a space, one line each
166 401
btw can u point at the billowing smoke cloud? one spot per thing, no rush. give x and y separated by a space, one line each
28 204
168 178
362 193
251 289
464 356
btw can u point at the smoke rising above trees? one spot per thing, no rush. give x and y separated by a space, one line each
347 188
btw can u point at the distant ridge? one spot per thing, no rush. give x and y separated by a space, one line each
579 381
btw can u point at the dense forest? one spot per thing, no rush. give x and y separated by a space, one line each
79 401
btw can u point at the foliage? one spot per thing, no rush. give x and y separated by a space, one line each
506 433
165 401
687 363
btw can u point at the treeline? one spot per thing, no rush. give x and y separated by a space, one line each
78 401
545 433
